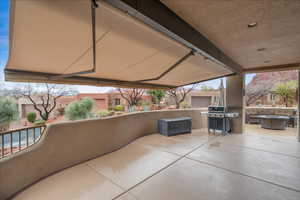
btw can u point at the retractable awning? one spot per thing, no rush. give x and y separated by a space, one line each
50 38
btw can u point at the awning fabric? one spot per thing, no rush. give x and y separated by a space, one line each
54 37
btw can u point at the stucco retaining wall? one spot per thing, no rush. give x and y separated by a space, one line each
69 143
289 111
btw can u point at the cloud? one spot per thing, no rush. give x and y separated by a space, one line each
8 85
80 88
92 89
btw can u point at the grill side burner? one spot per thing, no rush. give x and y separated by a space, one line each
219 119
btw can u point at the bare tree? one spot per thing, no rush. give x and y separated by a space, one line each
132 96
179 94
14 93
44 97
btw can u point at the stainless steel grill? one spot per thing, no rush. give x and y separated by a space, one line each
219 119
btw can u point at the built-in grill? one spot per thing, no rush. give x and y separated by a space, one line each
219 119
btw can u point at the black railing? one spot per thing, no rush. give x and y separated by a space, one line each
16 140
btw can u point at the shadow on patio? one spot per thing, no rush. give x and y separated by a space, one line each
182 167
289 133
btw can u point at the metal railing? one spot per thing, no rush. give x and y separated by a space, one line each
16 140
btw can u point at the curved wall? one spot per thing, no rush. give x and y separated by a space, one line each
69 143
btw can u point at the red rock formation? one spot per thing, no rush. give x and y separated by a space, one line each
263 83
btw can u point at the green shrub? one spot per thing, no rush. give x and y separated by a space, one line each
119 108
105 113
80 109
31 117
39 122
286 91
144 103
157 95
93 116
184 104
8 110
88 103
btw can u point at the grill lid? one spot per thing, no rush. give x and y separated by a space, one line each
216 109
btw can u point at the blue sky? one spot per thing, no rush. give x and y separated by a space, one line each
3 32
4 25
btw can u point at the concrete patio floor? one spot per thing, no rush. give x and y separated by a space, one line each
288 133
192 167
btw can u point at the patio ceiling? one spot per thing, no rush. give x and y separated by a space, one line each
273 44
145 44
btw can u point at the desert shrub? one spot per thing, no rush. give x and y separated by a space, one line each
8 111
93 115
286 91
144 103
119 108
105 113
39 122
31 117
79 109
88 103
157 95
184 104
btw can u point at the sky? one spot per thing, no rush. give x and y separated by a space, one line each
4 26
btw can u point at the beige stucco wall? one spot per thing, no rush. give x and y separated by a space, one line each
287 111
69 143
213 94
235 100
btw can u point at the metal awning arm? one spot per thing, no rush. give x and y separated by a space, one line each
191 53
93 8
94 5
